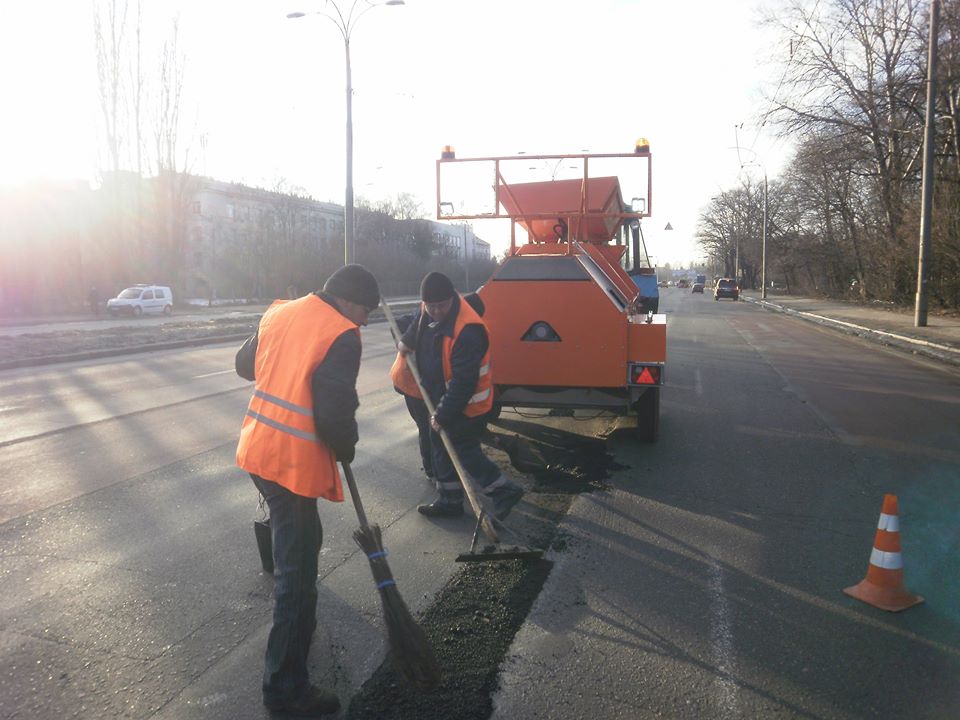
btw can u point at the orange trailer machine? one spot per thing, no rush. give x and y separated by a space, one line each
564 315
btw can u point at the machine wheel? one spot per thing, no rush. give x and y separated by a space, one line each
168 310
137 311
647 409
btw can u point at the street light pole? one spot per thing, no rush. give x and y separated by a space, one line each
345 24
348 218
763 251
763 254
466 258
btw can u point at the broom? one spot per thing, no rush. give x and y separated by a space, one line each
410 651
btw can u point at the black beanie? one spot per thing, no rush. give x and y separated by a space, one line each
436 287
354 283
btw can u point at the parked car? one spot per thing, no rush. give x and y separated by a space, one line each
141 299
726 287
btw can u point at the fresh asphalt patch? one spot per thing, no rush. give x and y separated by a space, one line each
474 618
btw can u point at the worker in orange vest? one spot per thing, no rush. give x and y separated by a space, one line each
415 404
301 420
452 351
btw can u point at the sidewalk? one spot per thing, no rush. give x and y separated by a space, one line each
939 340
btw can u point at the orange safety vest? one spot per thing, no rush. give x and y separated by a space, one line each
482 399
278 439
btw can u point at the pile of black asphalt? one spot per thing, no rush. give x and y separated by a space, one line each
476 615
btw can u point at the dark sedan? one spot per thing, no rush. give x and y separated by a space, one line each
726 288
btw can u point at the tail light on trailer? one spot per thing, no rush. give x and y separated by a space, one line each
646 374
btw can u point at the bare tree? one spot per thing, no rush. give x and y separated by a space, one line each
109 25
855 76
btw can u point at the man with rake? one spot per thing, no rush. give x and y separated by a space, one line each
452 352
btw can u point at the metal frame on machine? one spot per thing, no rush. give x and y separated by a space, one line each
500 185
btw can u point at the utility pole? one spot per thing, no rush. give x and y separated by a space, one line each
929 137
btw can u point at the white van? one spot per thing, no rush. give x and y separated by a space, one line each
141 299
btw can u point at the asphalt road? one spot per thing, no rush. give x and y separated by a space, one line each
703 583
706 583
132 583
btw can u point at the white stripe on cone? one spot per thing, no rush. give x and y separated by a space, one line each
890 523
886 560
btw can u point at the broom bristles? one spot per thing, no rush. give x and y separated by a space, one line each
410 651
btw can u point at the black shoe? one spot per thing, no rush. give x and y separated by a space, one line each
439 508
504 499
312 702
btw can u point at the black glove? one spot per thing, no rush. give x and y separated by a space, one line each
346 455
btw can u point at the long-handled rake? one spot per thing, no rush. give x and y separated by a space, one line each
485 521
410 651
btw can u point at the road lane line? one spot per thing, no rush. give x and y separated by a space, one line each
721 644
218 372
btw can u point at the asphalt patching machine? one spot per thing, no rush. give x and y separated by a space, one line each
569 328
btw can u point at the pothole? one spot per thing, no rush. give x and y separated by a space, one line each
475 617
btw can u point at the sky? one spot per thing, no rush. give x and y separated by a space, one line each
264 99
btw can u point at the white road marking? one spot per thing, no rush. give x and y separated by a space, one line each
697 382
219 372
721 645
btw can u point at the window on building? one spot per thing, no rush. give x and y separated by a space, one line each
195 208
231 212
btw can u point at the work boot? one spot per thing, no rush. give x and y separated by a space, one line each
311 703
439 508
504 498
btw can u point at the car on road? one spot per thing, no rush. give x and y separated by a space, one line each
683 283
726 287
697 288
142 300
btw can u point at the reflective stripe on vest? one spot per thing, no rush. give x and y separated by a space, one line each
286 406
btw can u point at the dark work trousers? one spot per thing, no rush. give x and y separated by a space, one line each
295 531
421 416
465 435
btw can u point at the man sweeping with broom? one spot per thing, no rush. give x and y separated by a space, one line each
305 358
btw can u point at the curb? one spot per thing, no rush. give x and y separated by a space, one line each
935 351
111 352
134 349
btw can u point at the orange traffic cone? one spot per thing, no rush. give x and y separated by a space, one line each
883 585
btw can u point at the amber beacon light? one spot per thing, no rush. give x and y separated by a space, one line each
448 153
642 146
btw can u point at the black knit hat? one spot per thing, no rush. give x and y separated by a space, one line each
436 287
354 283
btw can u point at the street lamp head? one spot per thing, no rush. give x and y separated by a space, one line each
395 2
292 15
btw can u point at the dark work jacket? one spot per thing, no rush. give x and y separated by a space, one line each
427 338
333 386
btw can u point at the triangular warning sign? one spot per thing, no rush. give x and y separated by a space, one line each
646 378
668 227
